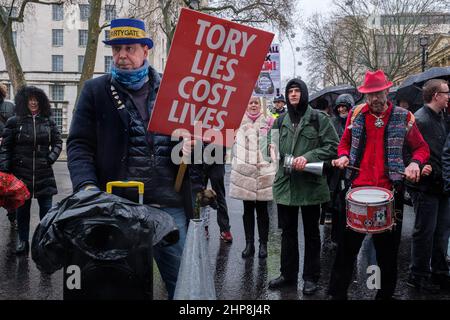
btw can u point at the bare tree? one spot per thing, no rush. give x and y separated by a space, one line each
24 9
94 31
367 34
278 14
7 18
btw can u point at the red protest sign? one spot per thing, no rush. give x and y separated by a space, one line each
211 71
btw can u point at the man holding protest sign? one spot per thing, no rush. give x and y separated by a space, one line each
109 141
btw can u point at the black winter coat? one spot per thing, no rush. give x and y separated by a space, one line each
446 165
6 112
434 130
29 148
98 143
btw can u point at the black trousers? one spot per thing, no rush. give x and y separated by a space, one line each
288 222
216 174
386 247
262 217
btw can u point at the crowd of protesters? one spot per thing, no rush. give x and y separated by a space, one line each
372 144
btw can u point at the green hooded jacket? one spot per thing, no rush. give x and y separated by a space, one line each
303 188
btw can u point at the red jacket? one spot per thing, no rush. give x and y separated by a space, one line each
373 172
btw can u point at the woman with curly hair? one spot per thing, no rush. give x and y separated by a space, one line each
31 144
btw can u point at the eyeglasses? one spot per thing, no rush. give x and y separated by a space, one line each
446 92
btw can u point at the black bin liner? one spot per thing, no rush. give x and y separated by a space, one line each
108 238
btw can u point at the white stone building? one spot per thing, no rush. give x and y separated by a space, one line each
51 44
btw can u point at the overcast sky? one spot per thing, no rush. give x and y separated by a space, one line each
306 8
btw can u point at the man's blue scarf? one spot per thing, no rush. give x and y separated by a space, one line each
131 79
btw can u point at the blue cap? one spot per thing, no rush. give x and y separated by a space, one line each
128 31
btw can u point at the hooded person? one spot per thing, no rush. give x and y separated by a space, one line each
344 103
308 136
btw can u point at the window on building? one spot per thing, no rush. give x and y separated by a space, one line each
110 12
84 12
80 63
57 92
57 63
14 12
108 63
57 37
57 12
82 38
14 36
57 115
107 34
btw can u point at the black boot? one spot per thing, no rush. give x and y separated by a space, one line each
262 250
249 250
22 247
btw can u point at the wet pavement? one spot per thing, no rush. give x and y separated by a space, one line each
235 278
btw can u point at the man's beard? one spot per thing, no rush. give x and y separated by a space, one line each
378 107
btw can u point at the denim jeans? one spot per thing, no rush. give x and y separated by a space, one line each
430 235
168 258
23 215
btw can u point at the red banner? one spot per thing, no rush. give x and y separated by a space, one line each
211 71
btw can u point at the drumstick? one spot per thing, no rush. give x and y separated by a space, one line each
358 169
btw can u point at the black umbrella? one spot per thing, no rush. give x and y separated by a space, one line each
330 94
411 89
392 93
433 73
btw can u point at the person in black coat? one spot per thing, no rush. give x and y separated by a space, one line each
6 111
109 140
446 165
31 144
429 270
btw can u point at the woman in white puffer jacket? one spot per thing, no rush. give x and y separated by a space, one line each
252 175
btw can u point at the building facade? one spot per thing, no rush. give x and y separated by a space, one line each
51 44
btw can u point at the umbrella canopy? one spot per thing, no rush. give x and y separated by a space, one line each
392 93
411 89
432 73
13 192
330 94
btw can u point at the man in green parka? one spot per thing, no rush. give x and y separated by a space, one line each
309 136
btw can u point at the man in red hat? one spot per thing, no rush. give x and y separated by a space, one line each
373 140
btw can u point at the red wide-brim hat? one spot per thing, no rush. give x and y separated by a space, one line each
375 82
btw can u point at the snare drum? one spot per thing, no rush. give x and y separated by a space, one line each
370 209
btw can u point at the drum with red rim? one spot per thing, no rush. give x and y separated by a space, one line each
370 209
